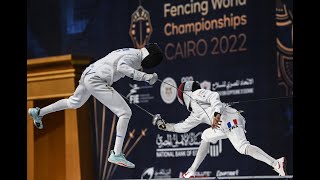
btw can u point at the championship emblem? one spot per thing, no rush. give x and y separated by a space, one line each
140 27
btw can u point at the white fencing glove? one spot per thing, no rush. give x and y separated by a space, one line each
159 122
150 78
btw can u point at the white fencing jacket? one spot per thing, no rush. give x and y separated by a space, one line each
204 104
120 63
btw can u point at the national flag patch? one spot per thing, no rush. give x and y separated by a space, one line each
233 123
229 125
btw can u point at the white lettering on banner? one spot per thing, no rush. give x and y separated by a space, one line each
177 152
235 92
165 154
175 140
228 85
227 173
162 173
198 174
183 145
136 97
227 88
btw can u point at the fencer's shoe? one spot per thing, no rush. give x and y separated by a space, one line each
37 120
189 174
280 167
120 160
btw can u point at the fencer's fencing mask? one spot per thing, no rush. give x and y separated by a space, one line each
154 57
185 90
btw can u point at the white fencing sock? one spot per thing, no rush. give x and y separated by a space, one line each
57 106
201 154
260 155
122 126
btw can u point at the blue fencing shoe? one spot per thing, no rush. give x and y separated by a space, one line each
34 112
120 160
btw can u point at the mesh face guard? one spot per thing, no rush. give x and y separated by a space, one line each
184 92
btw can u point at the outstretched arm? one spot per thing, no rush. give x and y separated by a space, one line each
182 127
137 75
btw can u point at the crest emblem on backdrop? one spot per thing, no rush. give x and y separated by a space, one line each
140 27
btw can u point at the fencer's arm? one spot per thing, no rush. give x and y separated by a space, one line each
178 127
181 127
125 69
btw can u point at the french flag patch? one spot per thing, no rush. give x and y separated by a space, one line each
232 124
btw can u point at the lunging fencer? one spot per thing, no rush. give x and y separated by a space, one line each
97 80
226 122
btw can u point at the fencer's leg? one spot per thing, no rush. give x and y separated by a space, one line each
201 154
117 105
122 126
79 97
113 100
257 153
260 155
239 141
208 135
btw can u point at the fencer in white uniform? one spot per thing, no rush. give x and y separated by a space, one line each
97 80
205 107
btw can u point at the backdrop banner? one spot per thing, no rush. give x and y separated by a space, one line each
229 46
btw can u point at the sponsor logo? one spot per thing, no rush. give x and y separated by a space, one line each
168 90
183 145
151 173
198 174
135 97
215 149
162 173
147 173
228 88
227 173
